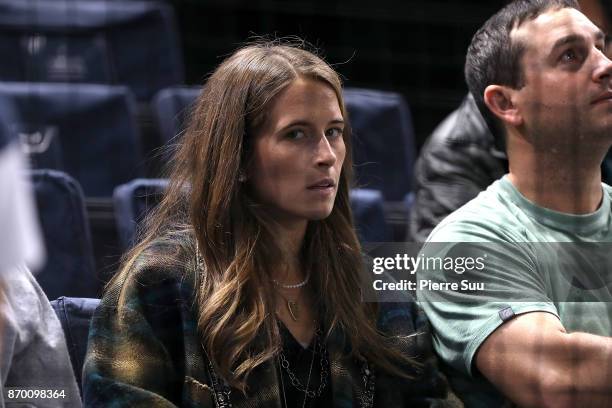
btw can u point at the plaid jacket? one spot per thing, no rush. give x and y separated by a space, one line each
147 353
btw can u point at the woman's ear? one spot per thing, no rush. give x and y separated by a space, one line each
499 100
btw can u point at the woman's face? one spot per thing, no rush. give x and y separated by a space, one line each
298 152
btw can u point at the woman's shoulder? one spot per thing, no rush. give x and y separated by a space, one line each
167 255
164 265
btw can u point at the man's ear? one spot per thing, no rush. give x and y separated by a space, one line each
498 99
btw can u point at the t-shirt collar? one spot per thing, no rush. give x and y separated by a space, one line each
573 223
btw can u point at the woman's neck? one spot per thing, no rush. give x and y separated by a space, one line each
293 297
290 238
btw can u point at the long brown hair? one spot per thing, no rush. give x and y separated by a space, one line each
236 313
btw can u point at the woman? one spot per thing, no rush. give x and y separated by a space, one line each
245 288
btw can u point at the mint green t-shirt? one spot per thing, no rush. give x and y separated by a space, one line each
525 258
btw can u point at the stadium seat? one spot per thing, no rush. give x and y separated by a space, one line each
133 43
135 199
89 131
69 269
7 112
132 201
383 141
369 215
75 316
171 107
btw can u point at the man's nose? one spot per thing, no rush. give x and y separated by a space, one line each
603 71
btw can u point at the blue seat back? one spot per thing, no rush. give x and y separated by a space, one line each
75 316
95 41
369 214
383 141
89 131
135 199
7 112
171 108
69 269
132 202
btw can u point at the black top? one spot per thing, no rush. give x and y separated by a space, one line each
300 359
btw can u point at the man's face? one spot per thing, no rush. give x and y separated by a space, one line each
568 90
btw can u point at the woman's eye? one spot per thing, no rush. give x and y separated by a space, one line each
333 133
296 134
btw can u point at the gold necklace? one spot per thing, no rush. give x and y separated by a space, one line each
293 307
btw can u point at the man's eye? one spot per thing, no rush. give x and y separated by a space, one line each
296 134
334 132
569 56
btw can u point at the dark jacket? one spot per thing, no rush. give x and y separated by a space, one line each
459 160
147 352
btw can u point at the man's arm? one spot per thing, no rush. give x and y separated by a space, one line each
536 363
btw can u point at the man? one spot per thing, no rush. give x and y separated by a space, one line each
462 157
537 333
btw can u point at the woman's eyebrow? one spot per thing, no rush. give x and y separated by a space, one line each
294 123
305 123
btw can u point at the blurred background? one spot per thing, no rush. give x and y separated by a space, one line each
416 48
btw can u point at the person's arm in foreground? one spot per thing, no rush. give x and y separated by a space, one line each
33 353
536 363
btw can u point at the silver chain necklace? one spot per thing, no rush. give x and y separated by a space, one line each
222 390
307 384
319 347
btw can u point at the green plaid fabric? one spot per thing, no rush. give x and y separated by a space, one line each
147 352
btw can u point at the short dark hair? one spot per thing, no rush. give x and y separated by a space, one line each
493 58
